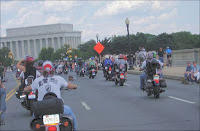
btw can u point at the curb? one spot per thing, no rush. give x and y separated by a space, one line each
173 77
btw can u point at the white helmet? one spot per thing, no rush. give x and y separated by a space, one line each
107 56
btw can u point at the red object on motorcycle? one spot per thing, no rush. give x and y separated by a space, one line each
122 76
156 81
66 123
31 93
52 128
110 68
37 126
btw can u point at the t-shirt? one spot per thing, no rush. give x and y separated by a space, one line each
189 68
49 84
196 68
160 53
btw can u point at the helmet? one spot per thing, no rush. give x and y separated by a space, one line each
29 59
120 56
154 62
47 66
92 58
149 55
168 47
40 63
107 56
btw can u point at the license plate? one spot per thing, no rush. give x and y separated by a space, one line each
156 77
122 76
31 96
109 72
93 73
51 119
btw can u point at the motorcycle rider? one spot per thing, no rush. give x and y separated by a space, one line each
54 84
91 63
106 62
144 75
121 63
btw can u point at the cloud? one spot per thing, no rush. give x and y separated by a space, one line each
116 7
55 19
167 16
59 5
8 5
161 5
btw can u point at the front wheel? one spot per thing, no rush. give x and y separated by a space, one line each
156 92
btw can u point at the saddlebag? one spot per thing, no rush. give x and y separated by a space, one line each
163 83
149 84
48 106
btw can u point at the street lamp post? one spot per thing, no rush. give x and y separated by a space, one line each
130 60
97 35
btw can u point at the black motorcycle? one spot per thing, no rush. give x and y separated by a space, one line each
108 72
120 76
66 70
27 99
154 86
82 72
92 72
49 115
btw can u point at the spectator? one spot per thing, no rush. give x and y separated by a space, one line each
142 55
1 70
195 72
187 74
160 55
2 103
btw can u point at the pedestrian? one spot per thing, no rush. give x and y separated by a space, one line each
2 103
160 55
1 70
195 72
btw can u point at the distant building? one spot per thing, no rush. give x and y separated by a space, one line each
30 40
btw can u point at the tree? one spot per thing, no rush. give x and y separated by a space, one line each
4 56
46 53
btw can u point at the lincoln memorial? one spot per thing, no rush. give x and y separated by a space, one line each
30 40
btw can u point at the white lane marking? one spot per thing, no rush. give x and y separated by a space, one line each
127 84
85 105
181 99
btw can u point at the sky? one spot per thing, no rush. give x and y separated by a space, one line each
106 18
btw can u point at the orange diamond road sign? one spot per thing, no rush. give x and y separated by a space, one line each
99 47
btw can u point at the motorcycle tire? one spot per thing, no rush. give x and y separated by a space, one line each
156 92
121 83
116 82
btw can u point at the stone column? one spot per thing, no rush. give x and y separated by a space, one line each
17 49
29 47
11 47
46 40
35 48
59 42
23 52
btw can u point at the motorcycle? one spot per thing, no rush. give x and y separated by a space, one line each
28 99
59 70
49 115
154 86
108 73
18 73
120 76
82 72
66 70
92 72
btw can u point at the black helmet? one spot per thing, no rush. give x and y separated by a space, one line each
40 63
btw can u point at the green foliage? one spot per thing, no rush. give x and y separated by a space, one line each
46 54
119 44
4 56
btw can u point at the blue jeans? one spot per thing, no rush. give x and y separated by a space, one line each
161 59
2 103
143 76
187 77
68 111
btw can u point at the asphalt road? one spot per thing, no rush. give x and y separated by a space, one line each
100 105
